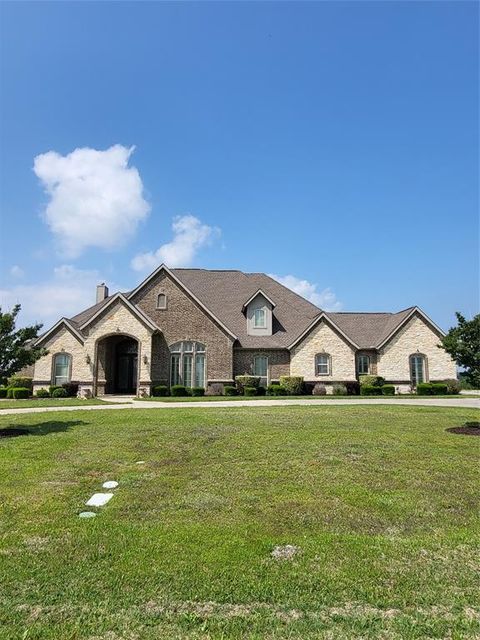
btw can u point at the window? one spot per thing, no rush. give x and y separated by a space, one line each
260 368
417 369
322 364
259 319
61 369
161 301
363 364
187 364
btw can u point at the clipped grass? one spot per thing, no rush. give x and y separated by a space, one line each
48 402
381 501
309 397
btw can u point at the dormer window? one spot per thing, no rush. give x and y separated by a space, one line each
260 319
161 301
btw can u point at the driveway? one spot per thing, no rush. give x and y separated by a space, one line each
119 403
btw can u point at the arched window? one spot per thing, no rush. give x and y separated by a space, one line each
363 364
187 364
61 368
417 368
161 301
322 364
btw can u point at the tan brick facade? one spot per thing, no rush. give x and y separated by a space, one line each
415 336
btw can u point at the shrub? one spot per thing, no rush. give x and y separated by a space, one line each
160 390
319 389
59 392
71 389
215 389
42 393
250 391
453 386
10 392
229 390
439 389
353 388
371 381
370 390
293 385
178 390
52 388
339 390
276 390
20 381
261 391
20 393
197 391
3 392
246 381
388 389
424 389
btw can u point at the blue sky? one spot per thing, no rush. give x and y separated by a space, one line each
332 144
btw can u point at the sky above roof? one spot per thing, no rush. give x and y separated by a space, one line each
333 145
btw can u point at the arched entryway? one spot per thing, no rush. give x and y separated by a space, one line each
117 365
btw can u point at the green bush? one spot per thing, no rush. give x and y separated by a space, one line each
160 390
424 389
250 391
3 392
42 393
59 392
439 389
197 391
261 391
20 381
293 385
370 390
388 389
52 388
453 386
371 381
178 390
229 390
246 381
339 390
276 390
20 393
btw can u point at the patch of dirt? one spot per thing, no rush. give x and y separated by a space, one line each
468 429
13 433
285 552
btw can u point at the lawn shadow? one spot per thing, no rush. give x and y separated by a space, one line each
39 429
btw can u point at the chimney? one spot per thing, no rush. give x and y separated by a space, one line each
102 292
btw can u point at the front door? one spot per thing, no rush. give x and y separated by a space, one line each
126 367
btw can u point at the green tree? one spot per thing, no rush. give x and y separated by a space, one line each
16 345
463 344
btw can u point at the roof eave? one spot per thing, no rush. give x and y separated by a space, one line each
323 315
70 327
405 320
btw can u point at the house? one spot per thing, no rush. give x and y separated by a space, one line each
198 327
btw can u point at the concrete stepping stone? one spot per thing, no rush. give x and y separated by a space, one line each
110 484
99 499
87 514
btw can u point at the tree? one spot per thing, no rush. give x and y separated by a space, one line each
16 345
463 344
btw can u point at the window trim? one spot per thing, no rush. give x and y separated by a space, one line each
54 366
178 349
164 296
267 374
329 364
424 367
369 361
264 323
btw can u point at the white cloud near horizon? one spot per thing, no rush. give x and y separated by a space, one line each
95 198
325 298
190 235
66 292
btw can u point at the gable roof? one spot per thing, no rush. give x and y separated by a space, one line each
120 297
259 292
71 326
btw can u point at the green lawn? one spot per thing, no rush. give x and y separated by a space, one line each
309 397
381 501
47 402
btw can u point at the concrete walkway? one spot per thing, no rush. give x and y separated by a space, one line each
120 403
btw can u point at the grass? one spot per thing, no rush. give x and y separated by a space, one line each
47 402
309 397
382 502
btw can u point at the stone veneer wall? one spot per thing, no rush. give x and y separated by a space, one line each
278 361
416 335
183 319
323 339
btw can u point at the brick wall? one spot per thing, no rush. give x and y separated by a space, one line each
278 361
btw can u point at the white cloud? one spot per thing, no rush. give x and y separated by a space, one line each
325 299
95 198
68 291
16 271
189 236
